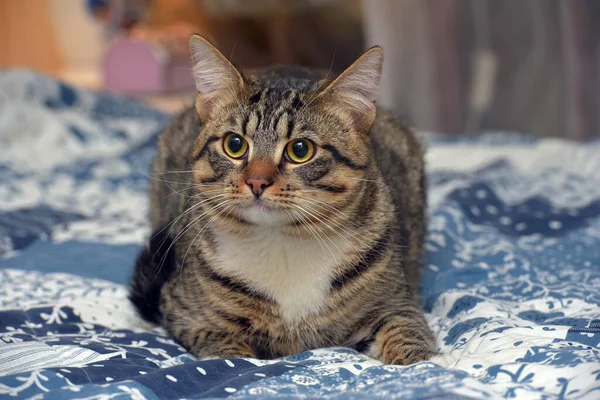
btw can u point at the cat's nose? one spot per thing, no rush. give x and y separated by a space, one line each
257 185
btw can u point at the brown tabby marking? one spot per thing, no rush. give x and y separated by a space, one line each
321 253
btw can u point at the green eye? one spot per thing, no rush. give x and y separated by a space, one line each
235 146
300 150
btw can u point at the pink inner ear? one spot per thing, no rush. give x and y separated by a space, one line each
361 81
363 118
357 88
211 70
207 103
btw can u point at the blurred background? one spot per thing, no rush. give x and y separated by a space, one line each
452 66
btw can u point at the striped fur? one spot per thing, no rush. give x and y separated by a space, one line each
329 255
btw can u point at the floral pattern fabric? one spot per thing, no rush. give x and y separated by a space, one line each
511 284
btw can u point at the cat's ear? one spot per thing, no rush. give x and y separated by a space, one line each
355 90
217 80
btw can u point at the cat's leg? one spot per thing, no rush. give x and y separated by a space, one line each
208 344
403 338
197 326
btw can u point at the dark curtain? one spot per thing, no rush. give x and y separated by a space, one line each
457 66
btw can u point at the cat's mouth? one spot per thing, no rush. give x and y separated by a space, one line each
260 212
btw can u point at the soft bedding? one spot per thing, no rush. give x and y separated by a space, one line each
511 284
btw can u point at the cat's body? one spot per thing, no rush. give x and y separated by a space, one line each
324 252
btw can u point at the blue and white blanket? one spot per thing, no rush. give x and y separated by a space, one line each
511 288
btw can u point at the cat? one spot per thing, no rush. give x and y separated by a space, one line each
288 214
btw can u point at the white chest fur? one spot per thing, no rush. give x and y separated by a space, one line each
295 273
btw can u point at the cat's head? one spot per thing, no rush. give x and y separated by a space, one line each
281 150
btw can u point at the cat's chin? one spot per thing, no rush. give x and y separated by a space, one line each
261 214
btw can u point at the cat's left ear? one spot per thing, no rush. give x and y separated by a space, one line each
355 90
217 80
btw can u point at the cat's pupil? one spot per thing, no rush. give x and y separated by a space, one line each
235 144
300 149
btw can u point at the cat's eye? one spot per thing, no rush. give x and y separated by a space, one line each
235 146
300 150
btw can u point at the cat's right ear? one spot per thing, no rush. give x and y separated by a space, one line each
217 80
355 90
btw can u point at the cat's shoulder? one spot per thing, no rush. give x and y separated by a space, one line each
388 123
389 132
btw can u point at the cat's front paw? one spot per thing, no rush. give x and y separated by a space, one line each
406 355
227 349
404 339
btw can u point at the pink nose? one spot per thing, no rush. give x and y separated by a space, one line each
257 185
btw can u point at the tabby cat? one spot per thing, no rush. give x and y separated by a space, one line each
287 215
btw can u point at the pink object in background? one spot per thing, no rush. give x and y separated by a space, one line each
134 66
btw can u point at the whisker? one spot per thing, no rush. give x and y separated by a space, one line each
331 220
378 181
180 192
340 225
334 210
360 230
181 233
175 220
303 220
292 218
171 172
358 254
201 231
352 235
191 184
311 225
318 91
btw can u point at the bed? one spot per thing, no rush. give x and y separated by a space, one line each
511 284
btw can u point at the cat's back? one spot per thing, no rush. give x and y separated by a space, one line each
398 152
171 169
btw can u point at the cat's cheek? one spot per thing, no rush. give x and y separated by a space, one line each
203 173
